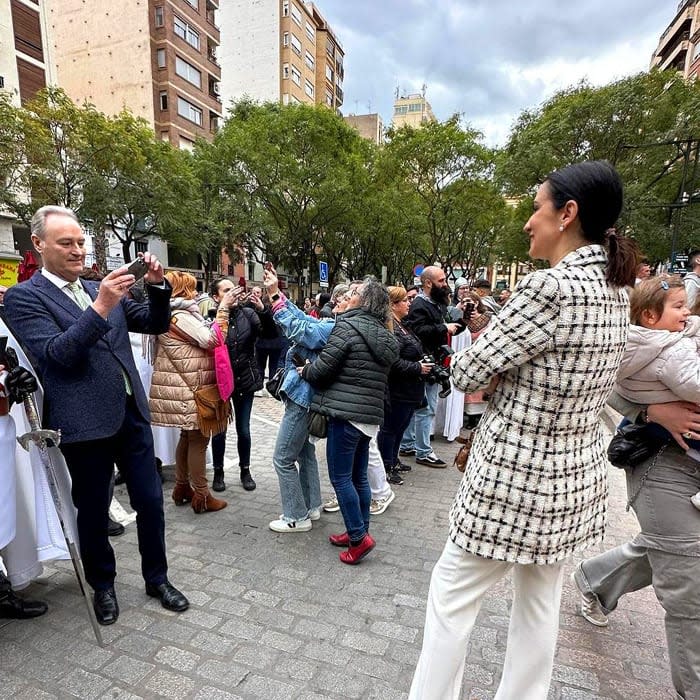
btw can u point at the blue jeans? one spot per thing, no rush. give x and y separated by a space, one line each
300 490
424 420
347 451
396 420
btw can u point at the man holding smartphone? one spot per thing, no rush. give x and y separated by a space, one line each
79 334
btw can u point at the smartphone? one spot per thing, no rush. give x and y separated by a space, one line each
138 268
468 309
298 360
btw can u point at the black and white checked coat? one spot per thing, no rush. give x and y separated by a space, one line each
535 486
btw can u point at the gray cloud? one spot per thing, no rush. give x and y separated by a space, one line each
488 59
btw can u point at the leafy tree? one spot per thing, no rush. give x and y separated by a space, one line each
636 124
287 176
453 212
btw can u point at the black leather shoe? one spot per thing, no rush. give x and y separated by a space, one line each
15 608
247 480
170 597
106 606
114 529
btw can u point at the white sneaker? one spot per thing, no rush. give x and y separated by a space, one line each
589 606
695 500
282 525
315 513
378 506
332 505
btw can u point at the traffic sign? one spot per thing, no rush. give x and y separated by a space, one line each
323 273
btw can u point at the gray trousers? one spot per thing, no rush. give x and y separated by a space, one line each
665 555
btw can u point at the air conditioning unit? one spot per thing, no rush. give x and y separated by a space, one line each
216 89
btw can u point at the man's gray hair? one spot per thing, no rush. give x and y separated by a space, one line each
38 222
375 299
338 291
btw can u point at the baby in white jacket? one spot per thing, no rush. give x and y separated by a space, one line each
662 357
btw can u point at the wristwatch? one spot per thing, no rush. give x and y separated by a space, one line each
275 297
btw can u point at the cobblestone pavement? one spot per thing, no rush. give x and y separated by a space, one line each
277 616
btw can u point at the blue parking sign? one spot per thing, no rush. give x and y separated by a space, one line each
323 271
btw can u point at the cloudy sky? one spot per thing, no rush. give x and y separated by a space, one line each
488 59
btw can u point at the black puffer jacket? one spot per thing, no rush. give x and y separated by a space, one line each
243 331
405 380
351 371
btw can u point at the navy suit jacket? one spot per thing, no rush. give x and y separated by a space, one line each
80 356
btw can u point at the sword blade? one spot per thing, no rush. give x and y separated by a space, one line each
50 471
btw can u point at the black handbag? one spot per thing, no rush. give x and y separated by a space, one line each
274 384
318 424
631 445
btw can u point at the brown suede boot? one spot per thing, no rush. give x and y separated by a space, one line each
204 502
182 493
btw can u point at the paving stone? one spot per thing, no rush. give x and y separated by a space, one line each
128 670
170 685
347 685
179 659
261 687
365 642
83 684
209 693
212 643
117 693
394 631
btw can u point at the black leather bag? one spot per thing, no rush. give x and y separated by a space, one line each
318 425
274 384
631 445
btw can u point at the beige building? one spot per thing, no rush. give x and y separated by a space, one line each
369 126
412 110
157 58
679 45
280 51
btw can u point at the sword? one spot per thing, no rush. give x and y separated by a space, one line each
42 440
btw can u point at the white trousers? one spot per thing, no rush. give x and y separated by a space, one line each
376 473
457 588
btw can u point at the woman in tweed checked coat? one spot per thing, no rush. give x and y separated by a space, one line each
534 490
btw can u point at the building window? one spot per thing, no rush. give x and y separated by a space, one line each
296 44
165 136
160 16
285 39
329 98
329 73
163 100
308 88
415 107
193 3
296 76
285 8
141 246
309 60
296 14
310 32
330 48
188 72
184 31
160 57
285 70
285 98
186 144
189 111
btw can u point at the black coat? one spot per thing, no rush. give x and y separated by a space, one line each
243 331
427 320
351 371
405 380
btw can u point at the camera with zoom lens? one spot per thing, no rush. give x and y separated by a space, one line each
440 371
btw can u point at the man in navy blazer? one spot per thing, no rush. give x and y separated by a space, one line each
78 334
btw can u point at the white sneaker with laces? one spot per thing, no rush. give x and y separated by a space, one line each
332 505
378 506
283 525
589 606
315 513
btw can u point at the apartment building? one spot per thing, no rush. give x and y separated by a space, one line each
369 126
280 50
679 45
158 58
25 68
412 110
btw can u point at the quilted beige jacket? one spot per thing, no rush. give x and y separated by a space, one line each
535 487
184 361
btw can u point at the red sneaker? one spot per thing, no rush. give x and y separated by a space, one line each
356 554
342 540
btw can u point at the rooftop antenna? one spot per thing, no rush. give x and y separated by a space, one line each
369 106
396 93
423 89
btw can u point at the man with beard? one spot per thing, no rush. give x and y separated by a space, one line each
426 319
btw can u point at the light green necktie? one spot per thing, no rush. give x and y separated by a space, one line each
83 300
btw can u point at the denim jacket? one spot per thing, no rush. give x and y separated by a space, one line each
307 335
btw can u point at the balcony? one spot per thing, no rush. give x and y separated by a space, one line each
675 58
211 52
678 24
210 12
339 92
214 88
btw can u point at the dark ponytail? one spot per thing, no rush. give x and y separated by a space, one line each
597 189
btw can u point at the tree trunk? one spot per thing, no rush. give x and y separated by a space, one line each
99 245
